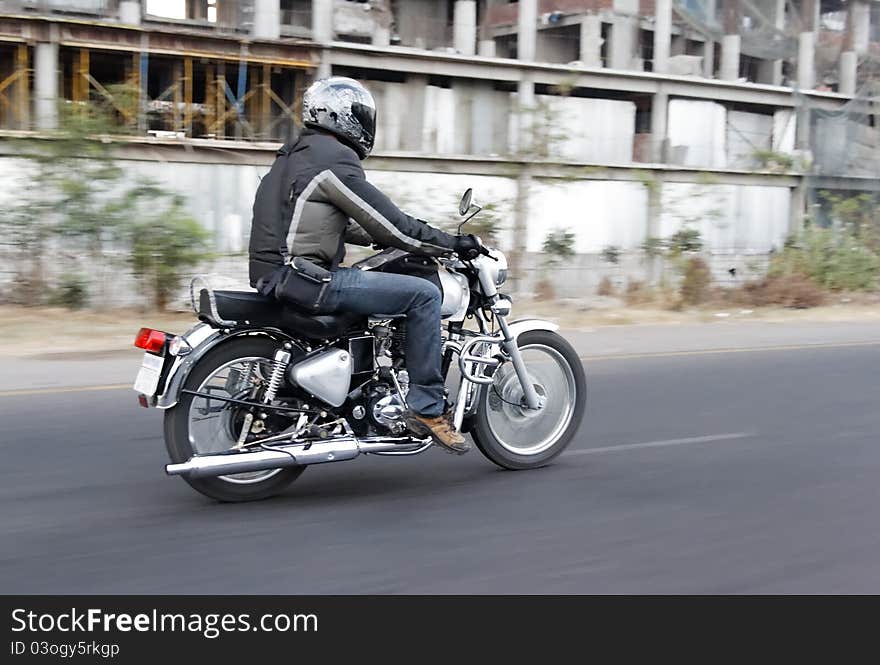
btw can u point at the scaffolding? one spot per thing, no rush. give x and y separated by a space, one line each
160 83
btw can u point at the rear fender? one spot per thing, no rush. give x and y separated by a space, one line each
203 338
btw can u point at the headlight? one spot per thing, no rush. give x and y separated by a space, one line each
500 268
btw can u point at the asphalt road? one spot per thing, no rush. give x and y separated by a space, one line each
747 472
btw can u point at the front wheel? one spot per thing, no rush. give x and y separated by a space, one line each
509 433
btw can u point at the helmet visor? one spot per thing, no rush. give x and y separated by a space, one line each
366 116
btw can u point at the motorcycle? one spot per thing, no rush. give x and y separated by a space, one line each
257 392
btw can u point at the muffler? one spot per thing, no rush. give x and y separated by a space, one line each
297 454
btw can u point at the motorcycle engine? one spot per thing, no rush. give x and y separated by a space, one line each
385 409
388 412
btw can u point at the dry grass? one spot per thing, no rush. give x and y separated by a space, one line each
48 330
26 331
657 309
606 287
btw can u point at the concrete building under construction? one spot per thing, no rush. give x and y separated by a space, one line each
600 116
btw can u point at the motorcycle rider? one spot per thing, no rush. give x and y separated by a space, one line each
317 199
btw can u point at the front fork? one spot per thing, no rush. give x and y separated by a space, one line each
509 344
468 385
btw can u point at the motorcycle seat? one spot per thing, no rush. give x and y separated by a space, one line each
252 308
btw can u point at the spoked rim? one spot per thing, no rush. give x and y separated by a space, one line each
222 434
519 429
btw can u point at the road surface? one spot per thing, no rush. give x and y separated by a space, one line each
754 471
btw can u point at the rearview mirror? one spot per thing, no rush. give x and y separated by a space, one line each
465 204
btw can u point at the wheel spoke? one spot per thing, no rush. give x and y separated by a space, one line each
219 427
517 428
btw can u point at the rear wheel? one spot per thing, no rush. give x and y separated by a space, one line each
237 369
516 437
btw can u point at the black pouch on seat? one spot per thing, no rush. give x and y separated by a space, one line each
304 284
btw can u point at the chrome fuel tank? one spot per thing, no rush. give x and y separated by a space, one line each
456 295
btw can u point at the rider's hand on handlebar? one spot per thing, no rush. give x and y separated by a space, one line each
469 247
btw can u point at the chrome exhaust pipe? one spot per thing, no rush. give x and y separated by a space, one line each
274 457
298 454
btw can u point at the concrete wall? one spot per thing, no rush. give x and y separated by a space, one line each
731 219
423 24
599 213
746 133
560 45
583 130
738 223
696 132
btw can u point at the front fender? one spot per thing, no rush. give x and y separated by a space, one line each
520 326
202 338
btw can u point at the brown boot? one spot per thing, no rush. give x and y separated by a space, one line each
440 429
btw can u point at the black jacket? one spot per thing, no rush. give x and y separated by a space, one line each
316 198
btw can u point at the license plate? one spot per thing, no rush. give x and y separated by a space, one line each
148 377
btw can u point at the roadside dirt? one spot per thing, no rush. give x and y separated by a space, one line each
28 332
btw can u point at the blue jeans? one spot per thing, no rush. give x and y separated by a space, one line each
361 292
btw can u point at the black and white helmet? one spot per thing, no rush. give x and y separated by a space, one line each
345 108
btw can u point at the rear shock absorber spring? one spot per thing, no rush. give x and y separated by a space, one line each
279 364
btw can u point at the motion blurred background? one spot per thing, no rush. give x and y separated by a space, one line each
661 162
620 145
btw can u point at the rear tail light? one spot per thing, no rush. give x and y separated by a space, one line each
150 340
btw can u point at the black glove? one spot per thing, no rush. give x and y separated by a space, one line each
467 246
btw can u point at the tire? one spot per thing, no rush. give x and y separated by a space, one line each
493 407
177 439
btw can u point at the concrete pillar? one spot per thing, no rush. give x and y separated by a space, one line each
322 21
652 230
624 37
659 110
849 63
662 35
527 30
464 26
770 71
525 98
517 255
46 85
463 91
483 119
591 41
486 48
130 12
324 69
322 33
730 48
731 41
797 207
267 19
709 58
861 25
414 119
381 36
776 74
806 70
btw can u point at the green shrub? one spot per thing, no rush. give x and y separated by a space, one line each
696 280
611 254
558 245
684 241
836 261
162 247
71 292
